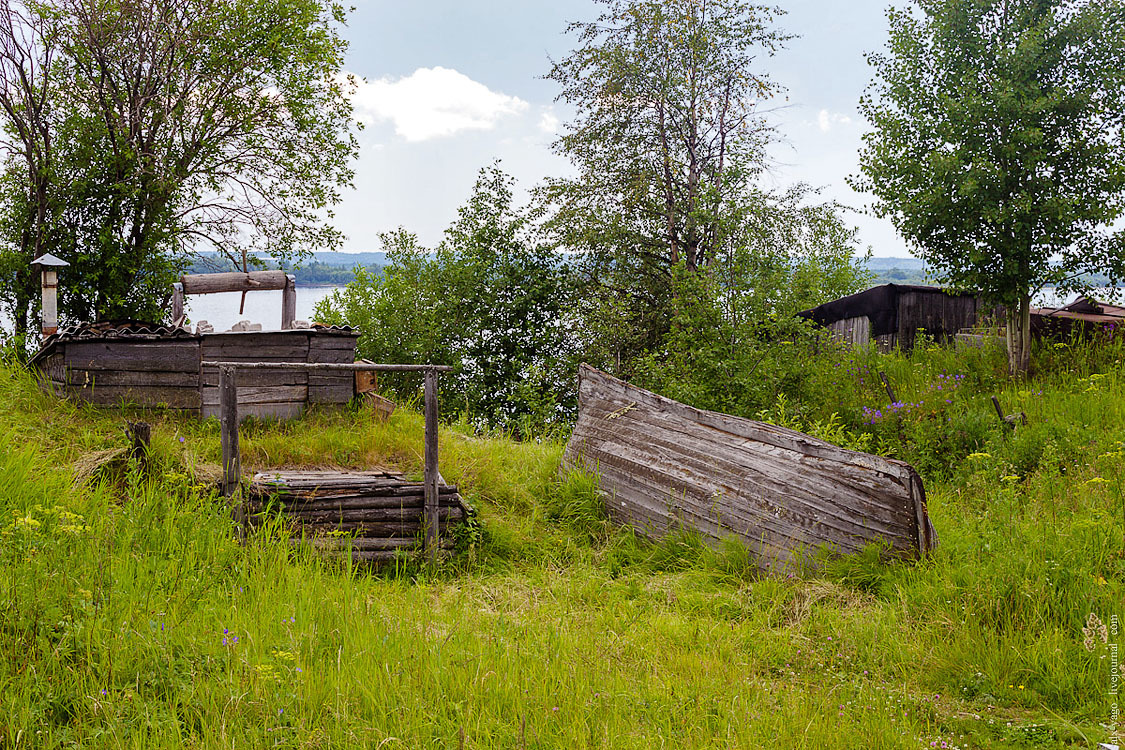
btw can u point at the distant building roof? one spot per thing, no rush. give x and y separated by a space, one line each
879 304
1083 309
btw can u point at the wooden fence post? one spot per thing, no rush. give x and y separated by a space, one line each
140 434
232 464
431 475
289 302
177 303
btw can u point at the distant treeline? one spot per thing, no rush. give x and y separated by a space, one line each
313 273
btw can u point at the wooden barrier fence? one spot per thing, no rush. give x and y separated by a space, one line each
228 417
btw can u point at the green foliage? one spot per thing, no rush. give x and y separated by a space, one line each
997 147
490 301
150 130
733 343
666 143
126 583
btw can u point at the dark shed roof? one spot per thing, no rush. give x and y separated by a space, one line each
879 304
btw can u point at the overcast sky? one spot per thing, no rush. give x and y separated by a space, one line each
450 85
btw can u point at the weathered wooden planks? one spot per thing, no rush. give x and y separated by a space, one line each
662 464
379 511
165 371
173 355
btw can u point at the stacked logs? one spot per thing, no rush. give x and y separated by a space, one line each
374 514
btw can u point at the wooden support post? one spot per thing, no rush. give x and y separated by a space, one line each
140 434
999 411
232 468
431 462
887 385
177 303
289 302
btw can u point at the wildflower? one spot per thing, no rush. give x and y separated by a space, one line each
979 455
1097 480
1093 631
1010 478
181 438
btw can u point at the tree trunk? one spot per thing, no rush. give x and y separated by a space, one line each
1019 337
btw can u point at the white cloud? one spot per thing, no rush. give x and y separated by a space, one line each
433 103
549 122
827 119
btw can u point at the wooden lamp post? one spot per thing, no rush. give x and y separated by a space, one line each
49 266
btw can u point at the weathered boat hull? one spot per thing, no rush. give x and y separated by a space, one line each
663 465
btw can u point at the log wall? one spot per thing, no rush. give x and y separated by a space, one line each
381 513
168 373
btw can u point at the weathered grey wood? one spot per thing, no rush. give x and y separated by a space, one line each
362 502
279 411
177 303
887 386
150 378
249 352
140 435
246 339
289 302
354 366
431 462
266 394
334 339
209 283
118 354
157 396
257 378
228 421
332 394
662 464
373 515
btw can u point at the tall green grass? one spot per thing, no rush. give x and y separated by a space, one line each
130 617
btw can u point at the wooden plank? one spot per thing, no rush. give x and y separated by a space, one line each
228 421
155 396
431 463
298 338
334 340
331 394
269 394
234 352
662 463
289 302
210 377
235 281
166 356
100 378
279 411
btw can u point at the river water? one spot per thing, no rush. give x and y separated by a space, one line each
221 310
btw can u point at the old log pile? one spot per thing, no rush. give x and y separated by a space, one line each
664 465
376 515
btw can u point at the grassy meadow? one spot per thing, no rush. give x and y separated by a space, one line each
130 617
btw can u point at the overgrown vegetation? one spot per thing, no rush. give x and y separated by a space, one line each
131 618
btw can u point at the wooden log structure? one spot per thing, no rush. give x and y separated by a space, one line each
662 465
381 514
164 368
431 511
235 281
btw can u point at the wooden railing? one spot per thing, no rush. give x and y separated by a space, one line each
228 417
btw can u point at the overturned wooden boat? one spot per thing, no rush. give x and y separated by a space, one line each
663 465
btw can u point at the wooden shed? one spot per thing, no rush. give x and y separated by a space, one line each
892 314
159 366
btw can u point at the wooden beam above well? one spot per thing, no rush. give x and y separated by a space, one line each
236 281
